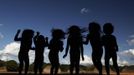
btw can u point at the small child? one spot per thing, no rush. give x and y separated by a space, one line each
111 47
55 46
40 43
25 46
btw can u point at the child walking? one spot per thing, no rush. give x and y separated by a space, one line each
111 47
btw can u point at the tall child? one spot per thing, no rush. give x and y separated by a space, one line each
94 37
25 46
75 44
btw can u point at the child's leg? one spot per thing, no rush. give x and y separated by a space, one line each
40 68
114 58
77 67
107 58
21 64
96 58
56 68
26 64
72 64
35 67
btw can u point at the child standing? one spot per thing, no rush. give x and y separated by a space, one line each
55 46
25 46
74 42
111 47
40 43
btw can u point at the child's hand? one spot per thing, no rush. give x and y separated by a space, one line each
18 31
64 55
82 58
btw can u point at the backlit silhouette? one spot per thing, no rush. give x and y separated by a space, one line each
40 43
25 46
110 45
94 37
74 42
55 46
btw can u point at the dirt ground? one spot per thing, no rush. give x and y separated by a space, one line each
14 73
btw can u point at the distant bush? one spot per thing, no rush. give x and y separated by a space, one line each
12 66
31 67
2 63
64 68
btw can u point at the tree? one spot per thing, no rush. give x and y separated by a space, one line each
2 63
12 65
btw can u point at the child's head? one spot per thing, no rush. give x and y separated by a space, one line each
108 28
74 30
41 38
94 27
58 34
27 34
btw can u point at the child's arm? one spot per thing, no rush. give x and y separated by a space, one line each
61 47
82 49
67 47
16 36
116 46
87 40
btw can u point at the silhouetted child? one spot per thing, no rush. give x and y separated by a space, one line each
40 43
55 46
110 45
74 42
94 36
25 46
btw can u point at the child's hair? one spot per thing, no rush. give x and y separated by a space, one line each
94 27
75 30
108 28
27 33
58 33
41 38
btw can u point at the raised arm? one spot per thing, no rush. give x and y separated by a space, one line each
16 36
46 42
35 38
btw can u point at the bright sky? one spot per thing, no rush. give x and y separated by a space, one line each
43 15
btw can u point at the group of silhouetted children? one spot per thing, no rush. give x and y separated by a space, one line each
74 46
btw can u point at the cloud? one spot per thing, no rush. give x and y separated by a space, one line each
131 36
1 24
87 60
10 52
129 53
84 11
1 36
130 42
128 56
